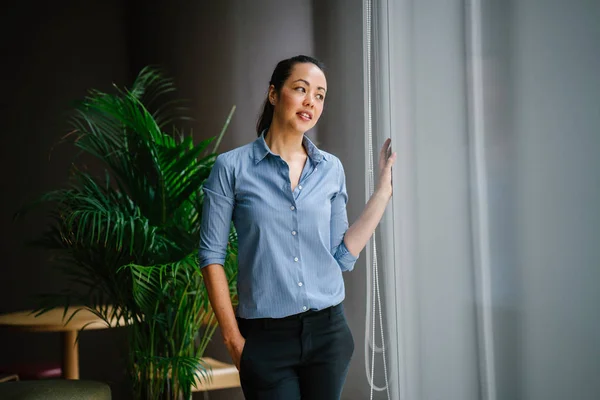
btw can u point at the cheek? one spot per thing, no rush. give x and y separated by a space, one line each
289 96
291 103
318 110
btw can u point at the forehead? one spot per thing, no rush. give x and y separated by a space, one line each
309 72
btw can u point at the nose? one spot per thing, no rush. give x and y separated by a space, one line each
309 100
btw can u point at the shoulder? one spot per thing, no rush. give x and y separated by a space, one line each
333 162
225 171
235 154
231 160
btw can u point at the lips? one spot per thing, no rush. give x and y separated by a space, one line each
305 115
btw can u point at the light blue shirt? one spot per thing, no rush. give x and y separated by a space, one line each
291 252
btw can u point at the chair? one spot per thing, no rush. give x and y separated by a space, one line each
34 371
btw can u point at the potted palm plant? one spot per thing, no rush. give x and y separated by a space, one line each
126 237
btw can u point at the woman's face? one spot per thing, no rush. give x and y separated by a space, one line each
300 102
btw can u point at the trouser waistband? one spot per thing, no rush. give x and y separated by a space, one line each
295 320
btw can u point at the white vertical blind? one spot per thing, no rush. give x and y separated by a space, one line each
419 99
479 199
393 92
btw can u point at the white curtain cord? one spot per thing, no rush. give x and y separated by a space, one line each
373 290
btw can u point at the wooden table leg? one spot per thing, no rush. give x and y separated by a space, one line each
70 355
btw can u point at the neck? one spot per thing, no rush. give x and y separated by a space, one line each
285 143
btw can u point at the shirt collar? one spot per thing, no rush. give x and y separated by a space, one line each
261 149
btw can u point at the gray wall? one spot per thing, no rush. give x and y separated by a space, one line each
338 42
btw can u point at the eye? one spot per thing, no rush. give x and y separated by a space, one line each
300 89
320 97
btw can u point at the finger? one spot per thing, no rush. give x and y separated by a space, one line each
383 154
391 160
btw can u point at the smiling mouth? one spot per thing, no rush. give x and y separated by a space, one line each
304 116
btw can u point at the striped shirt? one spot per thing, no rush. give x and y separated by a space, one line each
291 252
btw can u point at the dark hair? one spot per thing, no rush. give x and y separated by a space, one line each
282 71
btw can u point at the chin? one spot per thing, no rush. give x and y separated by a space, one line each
302 128
307 125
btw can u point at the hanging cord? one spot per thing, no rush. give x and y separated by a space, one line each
373 292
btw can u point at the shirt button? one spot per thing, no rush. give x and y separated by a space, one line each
294 233
304 308
299 283
300 187
292 208
316 168
296 259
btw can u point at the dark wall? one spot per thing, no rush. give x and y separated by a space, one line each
51 55
50 58
193 42
221 54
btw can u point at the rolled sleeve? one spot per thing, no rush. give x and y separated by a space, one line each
344 258
217 210
339 225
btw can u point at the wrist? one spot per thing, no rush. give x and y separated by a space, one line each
383 194
232 336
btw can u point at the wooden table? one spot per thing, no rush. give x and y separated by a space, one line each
53 321
224 376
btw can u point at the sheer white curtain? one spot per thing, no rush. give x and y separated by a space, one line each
489 250
433 241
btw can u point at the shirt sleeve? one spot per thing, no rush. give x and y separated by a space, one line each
217 210
339 225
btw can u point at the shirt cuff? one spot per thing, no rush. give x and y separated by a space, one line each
205 260
344 258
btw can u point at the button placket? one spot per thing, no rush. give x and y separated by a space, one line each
294 232
302 182
304 179
293 210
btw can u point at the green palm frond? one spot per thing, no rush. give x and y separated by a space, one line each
127 237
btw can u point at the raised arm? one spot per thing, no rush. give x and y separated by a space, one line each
361 230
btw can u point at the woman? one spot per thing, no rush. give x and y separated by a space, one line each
287 200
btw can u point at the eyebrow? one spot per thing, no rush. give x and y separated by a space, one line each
308 84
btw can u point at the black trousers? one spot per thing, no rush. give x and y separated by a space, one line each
304 356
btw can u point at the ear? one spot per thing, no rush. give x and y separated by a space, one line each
272 95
